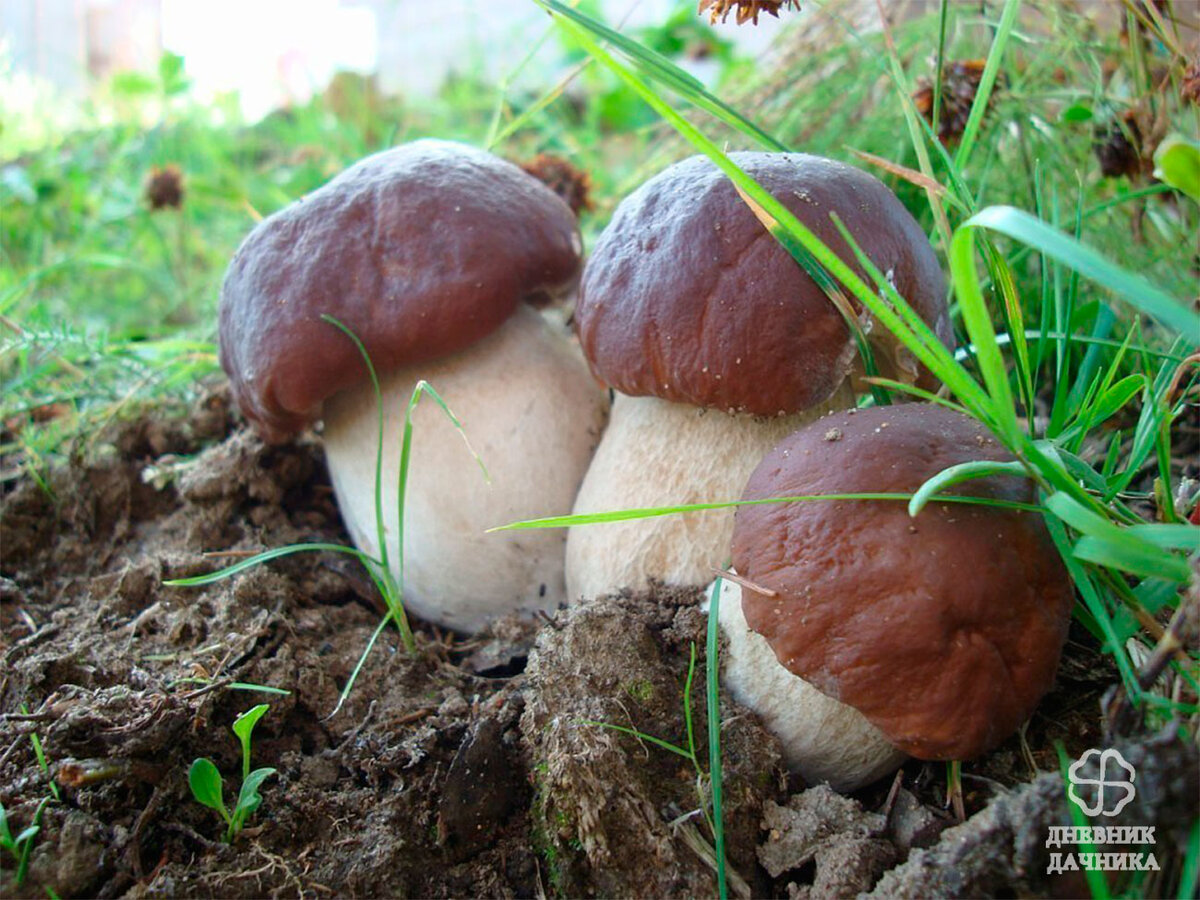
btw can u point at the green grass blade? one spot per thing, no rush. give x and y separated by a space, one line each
1133 557
956 474
1083 519
1049 241
494 135
650 512
1077 468
641 736
712 670
266 556
939 68
1107 405
1014 318
917 127
261 688
366 358
987 82
1094 604
1146 434
978 322
1097 882
395 594
1170 537
358 665
687 708
658 68
1068 396
920 393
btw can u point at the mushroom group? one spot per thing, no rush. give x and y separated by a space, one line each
865 633
859 633
718 345
428 254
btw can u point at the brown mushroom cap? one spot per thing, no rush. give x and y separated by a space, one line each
689 298
944 630
420 250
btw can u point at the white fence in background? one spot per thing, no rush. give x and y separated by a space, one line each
273 51
65 42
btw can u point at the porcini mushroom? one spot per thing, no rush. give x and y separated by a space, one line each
425 252
823 741
942 630
718 345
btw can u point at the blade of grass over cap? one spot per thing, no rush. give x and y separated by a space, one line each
624 515
660 70
978 322
956 474
828 287
934 359
366 358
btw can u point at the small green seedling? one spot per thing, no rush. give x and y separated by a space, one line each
20 845
208 787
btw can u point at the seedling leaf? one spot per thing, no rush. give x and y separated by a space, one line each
249 799
244 724
205 782
243 727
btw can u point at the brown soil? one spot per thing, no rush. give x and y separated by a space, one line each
470 768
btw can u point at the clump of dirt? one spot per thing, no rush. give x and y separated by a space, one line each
518 762
612 809
125 681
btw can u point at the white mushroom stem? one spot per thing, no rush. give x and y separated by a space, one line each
656 453
823 740
532 412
